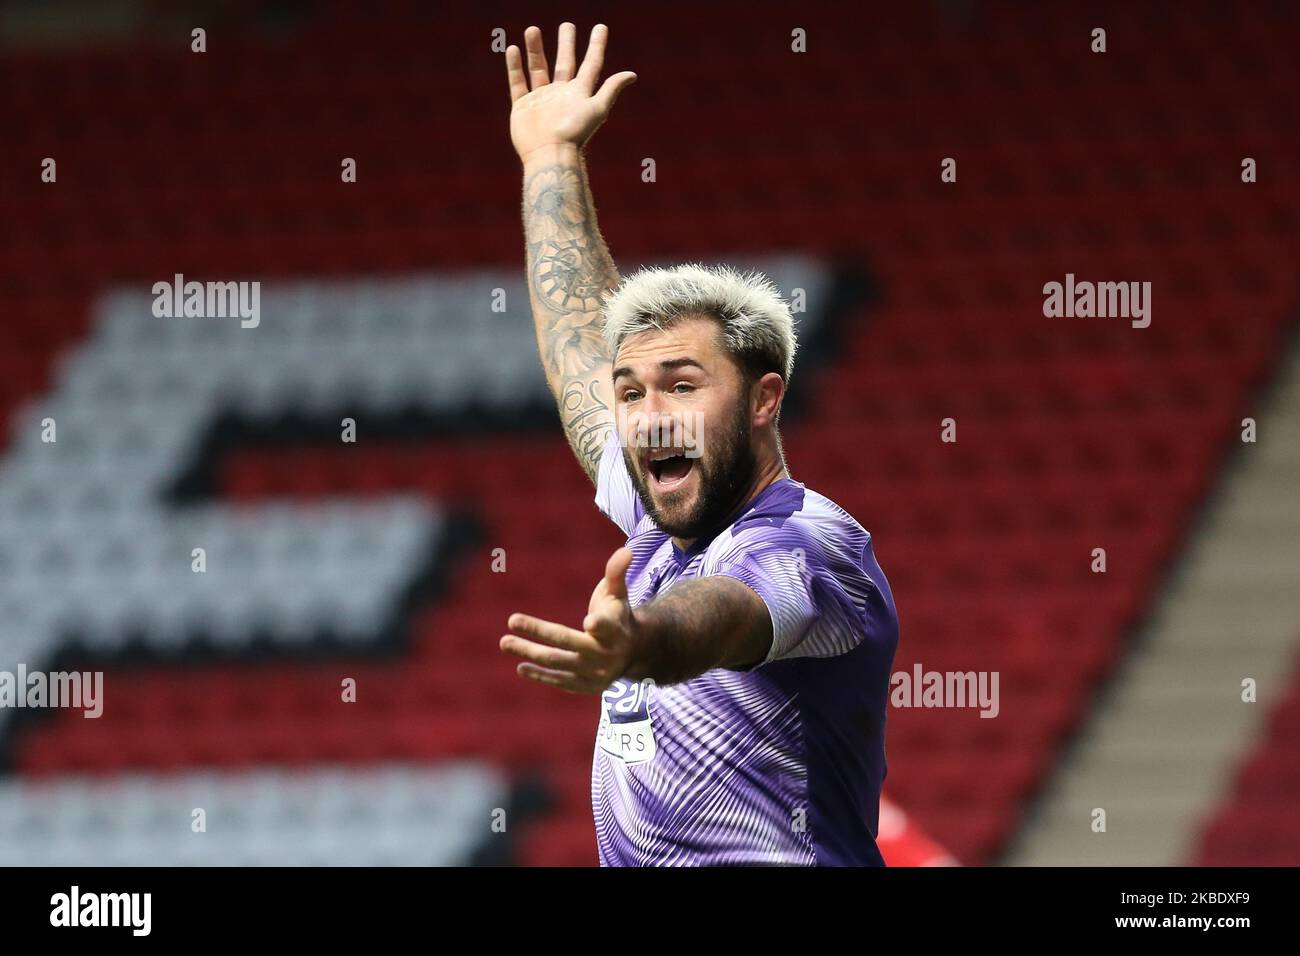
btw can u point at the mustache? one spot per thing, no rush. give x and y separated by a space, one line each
654 434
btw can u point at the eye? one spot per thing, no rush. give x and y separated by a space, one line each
630 395
683 387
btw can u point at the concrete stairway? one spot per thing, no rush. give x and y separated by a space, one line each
1168 732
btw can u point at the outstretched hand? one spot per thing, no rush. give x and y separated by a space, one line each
585 661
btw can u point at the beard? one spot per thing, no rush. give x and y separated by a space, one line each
726 470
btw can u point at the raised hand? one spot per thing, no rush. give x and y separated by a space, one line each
566 108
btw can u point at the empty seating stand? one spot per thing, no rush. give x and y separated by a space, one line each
1072 434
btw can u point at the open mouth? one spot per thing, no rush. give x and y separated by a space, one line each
669 469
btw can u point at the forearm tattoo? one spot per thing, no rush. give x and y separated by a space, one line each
569 267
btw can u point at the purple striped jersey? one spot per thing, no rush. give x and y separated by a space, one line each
781 764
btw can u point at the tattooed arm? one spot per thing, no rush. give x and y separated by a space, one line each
568 269
569 266
694 626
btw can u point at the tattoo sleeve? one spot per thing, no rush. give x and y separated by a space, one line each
699 624
569 267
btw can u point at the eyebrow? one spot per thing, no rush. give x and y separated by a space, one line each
667 365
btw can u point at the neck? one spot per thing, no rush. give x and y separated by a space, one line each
764 475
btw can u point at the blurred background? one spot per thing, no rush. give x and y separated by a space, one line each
397 302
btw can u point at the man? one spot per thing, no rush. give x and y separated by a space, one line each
741 642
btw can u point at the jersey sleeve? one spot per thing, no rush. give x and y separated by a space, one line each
616 495
810 576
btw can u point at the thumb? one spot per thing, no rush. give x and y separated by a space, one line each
612 87
616 573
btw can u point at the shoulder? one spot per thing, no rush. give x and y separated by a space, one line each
792 515
811 562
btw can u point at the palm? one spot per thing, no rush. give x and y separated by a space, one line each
558 112
566 108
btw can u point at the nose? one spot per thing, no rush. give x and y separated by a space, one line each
655 403
655 423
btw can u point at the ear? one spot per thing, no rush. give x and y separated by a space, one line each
766 395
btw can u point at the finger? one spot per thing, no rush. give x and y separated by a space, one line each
616 573
515 73
537 71
612 87
561 679
589 72
557 635
551 657
566 52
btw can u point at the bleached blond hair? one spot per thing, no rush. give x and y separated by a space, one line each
755 320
